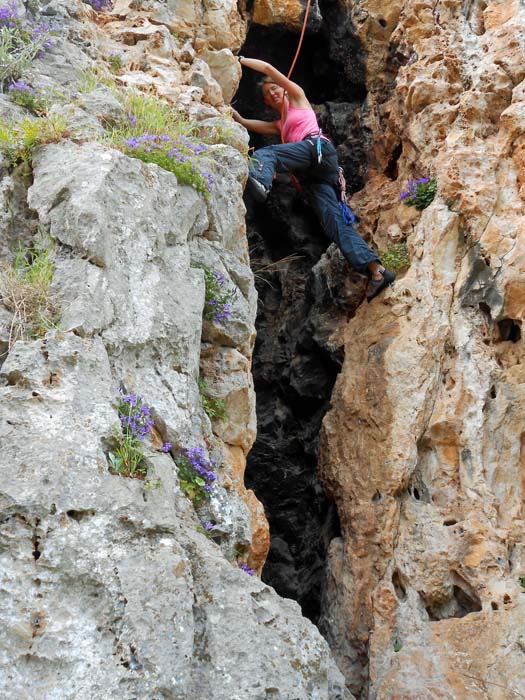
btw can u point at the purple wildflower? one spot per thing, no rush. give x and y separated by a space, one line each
247 569
132 119
100 5
20 86
8 15
201 465
166 447
135 417
208 526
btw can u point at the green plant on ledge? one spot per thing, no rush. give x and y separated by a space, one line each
215 409
21 41
26 96
115 62
217 297
196 476
395 257
155 133
25 290
127 459
419 193
19 140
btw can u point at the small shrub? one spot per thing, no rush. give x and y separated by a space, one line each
205 529
215 409
18 141
217 299
419 193
25 290
135 424
179 156
196 477
91 78
154 133
21 41
27 97
148 114
521 581
395 257
115 62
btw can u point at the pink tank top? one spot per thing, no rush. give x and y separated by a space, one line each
299 123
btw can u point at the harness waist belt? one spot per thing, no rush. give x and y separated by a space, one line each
316 135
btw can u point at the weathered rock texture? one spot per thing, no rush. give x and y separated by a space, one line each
107 589
423 448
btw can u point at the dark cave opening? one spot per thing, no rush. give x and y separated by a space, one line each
294 366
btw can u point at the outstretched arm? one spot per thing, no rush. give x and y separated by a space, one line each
257 125
295 92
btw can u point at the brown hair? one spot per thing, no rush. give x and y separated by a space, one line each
265 81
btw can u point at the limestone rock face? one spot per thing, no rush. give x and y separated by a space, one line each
290 13
423 447
109 586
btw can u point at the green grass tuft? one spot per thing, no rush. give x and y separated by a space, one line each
25 290
396 258
215 409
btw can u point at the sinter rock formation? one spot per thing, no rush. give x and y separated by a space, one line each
109 586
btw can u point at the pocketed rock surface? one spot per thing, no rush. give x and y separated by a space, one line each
423 448
108 586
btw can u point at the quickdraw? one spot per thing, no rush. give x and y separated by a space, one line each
348 214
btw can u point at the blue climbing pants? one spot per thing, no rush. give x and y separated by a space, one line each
322 191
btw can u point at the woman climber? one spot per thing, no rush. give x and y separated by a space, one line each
305 150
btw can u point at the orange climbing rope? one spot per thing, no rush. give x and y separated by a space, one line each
299 45
301 38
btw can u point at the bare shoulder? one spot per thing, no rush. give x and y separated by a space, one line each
298 99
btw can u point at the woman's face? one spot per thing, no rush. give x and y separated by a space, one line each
273 96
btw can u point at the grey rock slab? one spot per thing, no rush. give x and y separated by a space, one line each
228 376
249 643
9 111
83 293
63 64
102 103
56 395
225 132
80 124
226 210
132 220
237 331
96 198
226 70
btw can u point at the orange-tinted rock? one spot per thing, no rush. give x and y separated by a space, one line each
235 463
287 12
423 448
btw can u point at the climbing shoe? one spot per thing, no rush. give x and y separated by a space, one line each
375 287
258 191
